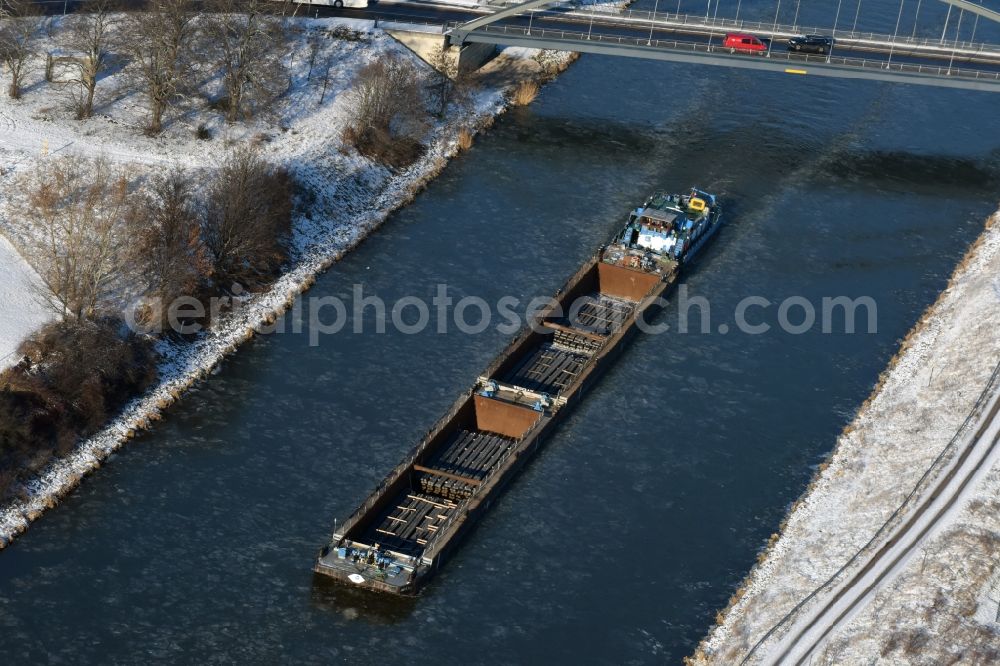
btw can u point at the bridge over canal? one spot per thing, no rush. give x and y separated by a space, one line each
896 57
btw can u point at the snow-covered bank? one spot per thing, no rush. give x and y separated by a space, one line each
941 605
919 404
350 197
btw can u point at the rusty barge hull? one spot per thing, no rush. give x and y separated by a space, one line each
412 522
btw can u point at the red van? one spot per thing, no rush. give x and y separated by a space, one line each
745 43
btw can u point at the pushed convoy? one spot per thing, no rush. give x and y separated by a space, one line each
414 519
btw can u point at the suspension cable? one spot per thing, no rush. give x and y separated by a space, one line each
795 21
975 25
916 17
774 29
954 45
857 13
895 32
836 19
652 23
947 17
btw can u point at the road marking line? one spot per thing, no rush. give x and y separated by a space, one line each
796 71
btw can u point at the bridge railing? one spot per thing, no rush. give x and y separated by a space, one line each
608 16
407 23
789 57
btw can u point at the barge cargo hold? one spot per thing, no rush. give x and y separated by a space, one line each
414 519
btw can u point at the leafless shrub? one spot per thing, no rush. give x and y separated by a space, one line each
287 8
28 419
19 27
24 408
167 245
914 642
78 374
248 41
247 214
7 476
347 34
91 364
383 147
71 227
891 644
88 36
388 112
159 41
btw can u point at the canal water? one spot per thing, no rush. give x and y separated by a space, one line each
632 527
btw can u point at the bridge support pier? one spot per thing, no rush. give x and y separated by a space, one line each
472 56
433 48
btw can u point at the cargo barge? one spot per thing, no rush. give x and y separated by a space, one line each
414 519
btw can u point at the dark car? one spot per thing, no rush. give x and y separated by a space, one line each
811 44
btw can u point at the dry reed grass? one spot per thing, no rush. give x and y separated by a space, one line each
525 93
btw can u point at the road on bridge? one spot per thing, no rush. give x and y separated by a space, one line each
690 39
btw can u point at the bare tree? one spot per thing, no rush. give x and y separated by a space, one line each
71 227
167 245
247 214
388 112
385 92
159 41
326 63
18 29
249 42
451 86
89 36
315 44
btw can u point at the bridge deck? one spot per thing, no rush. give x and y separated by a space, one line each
776 61
637 34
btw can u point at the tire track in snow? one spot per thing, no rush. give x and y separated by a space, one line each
922 523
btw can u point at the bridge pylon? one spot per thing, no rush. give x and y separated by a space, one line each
457 35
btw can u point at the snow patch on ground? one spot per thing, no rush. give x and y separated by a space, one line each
942 608
21 311
923 399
